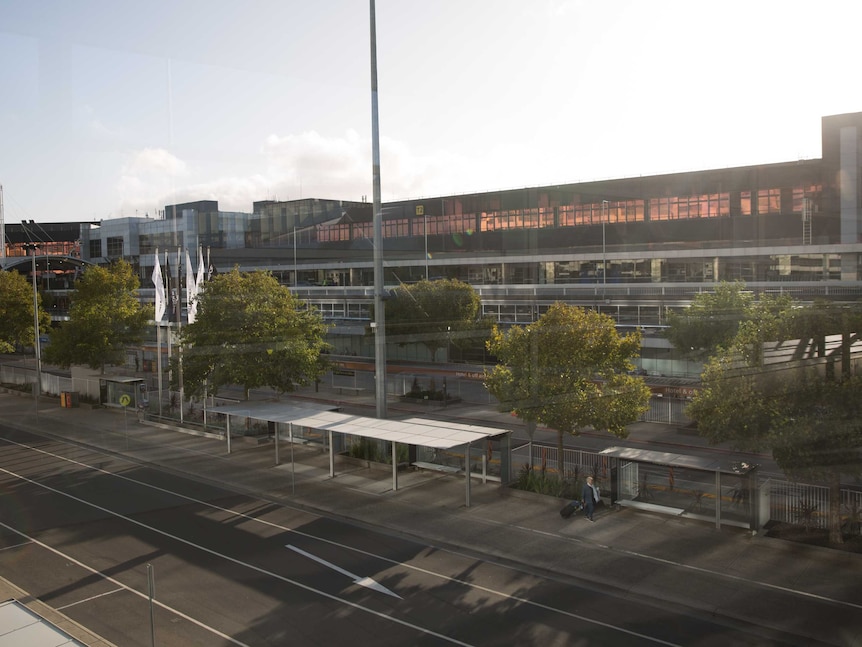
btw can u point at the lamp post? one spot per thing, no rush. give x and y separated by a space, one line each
604 255
420 211
36 345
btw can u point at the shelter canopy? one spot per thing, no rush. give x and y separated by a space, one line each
272 410
677 460
415 431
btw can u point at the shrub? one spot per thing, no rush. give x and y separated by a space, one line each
542 481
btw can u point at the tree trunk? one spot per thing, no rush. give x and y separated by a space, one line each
560 462
531 431
835 535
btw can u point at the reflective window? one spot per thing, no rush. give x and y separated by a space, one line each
769 201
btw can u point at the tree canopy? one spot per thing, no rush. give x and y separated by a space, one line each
711 320
105 317
800 410
16 312
254 332
568 370
435 314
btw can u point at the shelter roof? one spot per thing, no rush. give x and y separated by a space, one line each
677 460
273 410
415 431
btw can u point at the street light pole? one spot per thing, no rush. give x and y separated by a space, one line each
37 389
379 323
604 254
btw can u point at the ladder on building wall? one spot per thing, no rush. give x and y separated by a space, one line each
806 221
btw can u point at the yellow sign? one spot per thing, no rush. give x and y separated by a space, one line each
125 399
420 209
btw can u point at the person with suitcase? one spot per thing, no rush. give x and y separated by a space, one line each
589 495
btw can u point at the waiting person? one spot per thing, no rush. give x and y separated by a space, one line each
588 494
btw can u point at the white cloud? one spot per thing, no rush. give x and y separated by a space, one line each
155 162
305 165
146 177
312 165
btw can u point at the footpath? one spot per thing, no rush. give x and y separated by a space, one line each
788 592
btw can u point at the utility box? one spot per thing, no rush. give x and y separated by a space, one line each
125 392
68 399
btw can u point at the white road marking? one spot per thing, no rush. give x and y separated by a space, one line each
446 577
92 597
357 579
123 586
228 558
23 543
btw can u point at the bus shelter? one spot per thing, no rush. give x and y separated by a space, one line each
417 432
473 442
126 392
686 486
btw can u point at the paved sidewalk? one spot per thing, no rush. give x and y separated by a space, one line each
811 593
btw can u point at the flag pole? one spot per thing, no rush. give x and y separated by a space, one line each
159 341
170 305
180 329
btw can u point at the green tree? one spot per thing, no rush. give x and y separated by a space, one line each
797 409
711 321
435 314
567 371
16 312
251 331
105 317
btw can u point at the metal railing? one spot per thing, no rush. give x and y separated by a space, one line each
808 505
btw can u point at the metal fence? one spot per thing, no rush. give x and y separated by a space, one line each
575 461
808 505
667 410
787 502
49 384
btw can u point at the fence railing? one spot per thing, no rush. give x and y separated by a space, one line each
667 410
49 384
808 505
575 461
787 502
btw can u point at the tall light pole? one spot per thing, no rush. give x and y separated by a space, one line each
425 229
379 323
37 389
604 255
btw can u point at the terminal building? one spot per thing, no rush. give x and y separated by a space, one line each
631 247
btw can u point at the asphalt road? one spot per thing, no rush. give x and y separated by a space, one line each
82 531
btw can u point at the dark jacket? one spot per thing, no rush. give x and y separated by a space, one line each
588 495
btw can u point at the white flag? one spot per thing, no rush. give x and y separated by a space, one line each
199 279
191 290
158 282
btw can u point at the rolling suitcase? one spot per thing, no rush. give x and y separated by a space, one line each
569 509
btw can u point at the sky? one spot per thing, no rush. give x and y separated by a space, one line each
116 108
